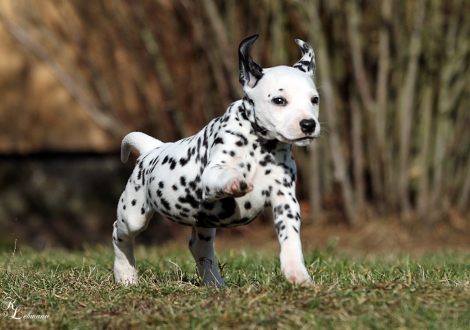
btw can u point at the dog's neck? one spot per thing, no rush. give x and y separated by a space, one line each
248 113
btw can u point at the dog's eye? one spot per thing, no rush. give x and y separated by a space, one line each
279 101
315 100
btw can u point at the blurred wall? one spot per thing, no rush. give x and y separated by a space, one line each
37 113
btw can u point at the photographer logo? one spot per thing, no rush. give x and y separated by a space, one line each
13 311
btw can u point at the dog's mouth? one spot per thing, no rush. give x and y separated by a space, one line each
303 141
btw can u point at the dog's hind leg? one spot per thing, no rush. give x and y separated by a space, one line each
132 219
201 246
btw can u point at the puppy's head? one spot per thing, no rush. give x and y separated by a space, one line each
284 100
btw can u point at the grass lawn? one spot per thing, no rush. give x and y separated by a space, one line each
75 290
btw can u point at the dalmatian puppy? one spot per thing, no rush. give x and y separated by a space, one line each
225 175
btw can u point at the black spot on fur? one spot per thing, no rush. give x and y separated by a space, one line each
265 193
266 160
278 226
270 145
165 203
218 141
208 205
228 207
188 199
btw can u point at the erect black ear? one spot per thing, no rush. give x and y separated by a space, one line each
307 62
250 72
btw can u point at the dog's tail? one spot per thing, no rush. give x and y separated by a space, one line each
142 142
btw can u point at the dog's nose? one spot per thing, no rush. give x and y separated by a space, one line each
307 125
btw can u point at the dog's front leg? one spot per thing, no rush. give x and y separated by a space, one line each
220 180
286 212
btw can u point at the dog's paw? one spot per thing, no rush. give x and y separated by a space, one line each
126 280
297 275
237 187
300 280
125 274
